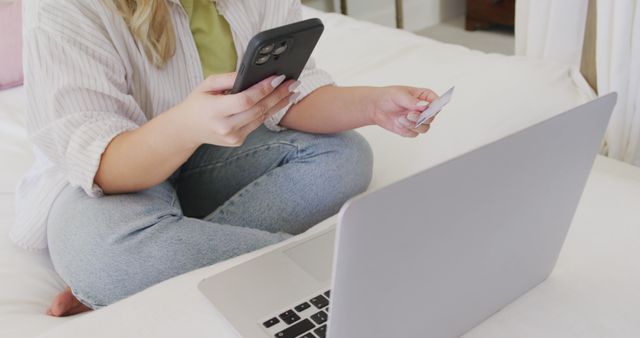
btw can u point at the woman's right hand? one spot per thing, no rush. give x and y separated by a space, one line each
214 117
144 157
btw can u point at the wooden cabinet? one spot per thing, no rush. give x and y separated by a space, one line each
483 14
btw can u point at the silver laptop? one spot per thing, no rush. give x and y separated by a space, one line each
432 255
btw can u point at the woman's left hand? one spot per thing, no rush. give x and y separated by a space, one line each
397 109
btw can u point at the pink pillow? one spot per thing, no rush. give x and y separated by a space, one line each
10 44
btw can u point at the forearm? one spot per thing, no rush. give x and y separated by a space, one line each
331 109
142 158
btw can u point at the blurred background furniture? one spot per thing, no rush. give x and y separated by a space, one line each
483 14
399 11
344 9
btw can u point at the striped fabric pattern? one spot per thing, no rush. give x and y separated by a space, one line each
87 80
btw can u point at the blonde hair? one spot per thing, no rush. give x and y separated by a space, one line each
150 23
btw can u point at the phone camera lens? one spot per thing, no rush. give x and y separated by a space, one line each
262 59
267 49
282 47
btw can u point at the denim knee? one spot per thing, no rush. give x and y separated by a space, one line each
87 240
356 161
345 160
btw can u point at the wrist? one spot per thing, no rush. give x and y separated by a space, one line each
179 126
368 103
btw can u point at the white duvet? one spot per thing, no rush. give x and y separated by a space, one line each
592 293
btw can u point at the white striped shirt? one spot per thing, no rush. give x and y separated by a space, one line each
87 80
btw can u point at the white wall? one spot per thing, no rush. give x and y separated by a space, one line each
418 14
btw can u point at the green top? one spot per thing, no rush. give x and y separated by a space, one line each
212 35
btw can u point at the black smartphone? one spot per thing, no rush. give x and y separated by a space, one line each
283 50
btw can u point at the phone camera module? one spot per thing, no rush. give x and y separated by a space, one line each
267 49
262 59
282 47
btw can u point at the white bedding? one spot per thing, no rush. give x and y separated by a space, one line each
592 293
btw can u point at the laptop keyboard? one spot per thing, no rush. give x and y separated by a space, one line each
308 319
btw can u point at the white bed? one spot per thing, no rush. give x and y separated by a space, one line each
593 292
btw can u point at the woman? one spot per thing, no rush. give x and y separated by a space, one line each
146 169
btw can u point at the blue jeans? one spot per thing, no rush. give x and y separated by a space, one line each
221 203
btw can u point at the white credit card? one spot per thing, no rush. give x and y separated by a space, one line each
435 107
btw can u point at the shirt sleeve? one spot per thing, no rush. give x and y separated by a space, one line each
311 77
77 103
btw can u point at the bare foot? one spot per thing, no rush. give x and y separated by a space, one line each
66 304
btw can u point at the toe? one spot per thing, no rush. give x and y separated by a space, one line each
61 303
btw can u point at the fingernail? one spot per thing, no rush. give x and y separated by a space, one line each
404 122
294 86
294 97
413 117
277 81
422 103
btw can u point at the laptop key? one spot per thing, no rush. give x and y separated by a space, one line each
302 307
328 294
271 322
308 335
289 317
319 301
321 331
296 329
319 317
